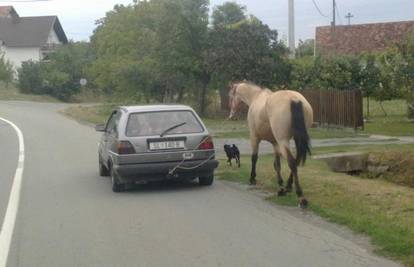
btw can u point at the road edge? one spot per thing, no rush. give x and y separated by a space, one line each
7 229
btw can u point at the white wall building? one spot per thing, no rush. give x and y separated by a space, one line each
28 38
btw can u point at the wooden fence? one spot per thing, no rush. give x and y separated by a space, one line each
336 108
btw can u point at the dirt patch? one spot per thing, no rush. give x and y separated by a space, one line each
393 166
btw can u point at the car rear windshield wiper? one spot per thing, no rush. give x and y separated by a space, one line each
172 128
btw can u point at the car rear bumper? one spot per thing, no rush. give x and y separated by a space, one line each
131 173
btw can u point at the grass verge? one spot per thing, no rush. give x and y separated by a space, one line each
398 165
92 114
10 92
394 123
375 207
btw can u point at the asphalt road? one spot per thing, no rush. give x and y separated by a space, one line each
68 215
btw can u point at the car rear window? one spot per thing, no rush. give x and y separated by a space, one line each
155 123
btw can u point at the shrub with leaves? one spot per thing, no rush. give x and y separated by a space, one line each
6 70
30 78
59 76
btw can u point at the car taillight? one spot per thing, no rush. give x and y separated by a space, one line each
125 147
207 144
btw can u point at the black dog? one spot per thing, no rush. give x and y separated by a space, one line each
232 152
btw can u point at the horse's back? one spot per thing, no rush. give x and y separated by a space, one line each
278 108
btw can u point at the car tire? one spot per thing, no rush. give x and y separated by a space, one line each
103 170
206 180
117 187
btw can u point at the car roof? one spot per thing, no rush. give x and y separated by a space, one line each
149 108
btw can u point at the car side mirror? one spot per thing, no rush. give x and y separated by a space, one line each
100 128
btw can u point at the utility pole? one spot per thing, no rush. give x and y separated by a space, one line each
333 14
333 27
349 17
292 28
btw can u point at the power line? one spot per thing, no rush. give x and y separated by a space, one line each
319 10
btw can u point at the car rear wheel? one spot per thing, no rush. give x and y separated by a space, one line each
116 185
103 170
206 180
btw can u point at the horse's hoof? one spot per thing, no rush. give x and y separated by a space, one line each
303 203
253 182
282 192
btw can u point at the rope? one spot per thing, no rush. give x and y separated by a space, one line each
171 172
199 165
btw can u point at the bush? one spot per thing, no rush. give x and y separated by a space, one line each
30 78
6 70
59 76
341 72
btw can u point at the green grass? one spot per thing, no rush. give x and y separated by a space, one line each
394 124
380 209
362 148
10 92
92 114
391 125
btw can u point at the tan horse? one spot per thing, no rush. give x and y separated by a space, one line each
276 117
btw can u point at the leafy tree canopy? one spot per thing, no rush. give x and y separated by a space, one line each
227 14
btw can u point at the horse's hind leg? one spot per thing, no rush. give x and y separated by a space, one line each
294 169
278 169
289 183
255 151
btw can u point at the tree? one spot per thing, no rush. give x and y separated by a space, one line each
387 89
64 69
306 73
246 50
6 70
370 78
227 14
158 54
305 48
59 75
30 78
340 72
404 72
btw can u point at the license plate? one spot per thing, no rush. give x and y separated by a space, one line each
165 145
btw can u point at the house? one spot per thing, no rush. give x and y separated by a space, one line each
357 39
28 38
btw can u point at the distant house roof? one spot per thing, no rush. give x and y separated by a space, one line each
356 39
18 31
7 11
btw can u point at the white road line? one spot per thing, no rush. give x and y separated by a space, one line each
6 231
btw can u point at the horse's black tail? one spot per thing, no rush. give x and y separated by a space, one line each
300 133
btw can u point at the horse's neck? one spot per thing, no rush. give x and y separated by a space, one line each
249 93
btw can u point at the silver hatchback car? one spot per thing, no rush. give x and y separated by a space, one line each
152 143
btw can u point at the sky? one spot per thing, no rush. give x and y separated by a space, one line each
78 16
